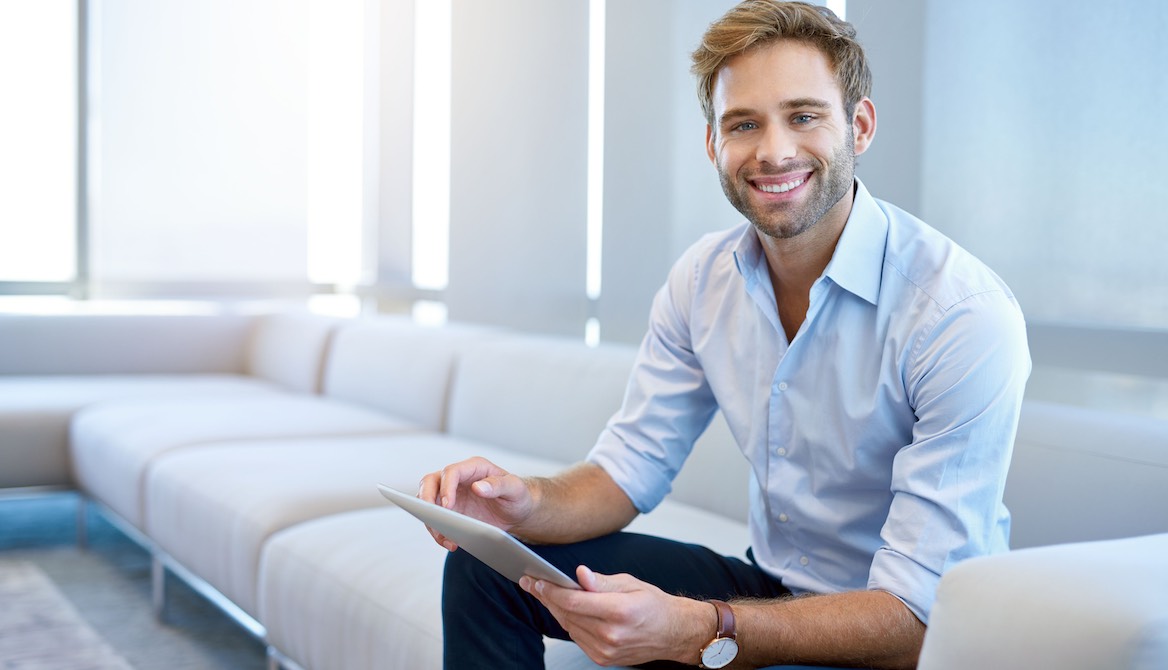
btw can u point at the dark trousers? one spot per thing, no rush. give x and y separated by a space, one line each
489 622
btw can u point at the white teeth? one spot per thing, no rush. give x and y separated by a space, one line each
780 188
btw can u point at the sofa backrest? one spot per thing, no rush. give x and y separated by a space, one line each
84 344
553 396
1082 474
545 396
716 476
398 366
289 349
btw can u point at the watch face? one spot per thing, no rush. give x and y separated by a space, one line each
719 653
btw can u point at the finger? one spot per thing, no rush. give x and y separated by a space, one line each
428 487
443 541
468 471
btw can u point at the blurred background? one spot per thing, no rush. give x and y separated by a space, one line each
540 165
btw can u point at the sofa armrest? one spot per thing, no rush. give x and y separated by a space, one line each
1070 606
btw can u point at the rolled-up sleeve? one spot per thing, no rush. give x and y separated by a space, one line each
965 382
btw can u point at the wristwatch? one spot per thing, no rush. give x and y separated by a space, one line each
724 647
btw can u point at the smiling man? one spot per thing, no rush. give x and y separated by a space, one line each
870 370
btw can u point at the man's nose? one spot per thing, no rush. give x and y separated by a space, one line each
775 145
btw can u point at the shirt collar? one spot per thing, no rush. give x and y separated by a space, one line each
858 261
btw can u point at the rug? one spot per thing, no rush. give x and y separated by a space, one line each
40 629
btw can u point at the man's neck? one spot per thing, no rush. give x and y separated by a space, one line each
796 262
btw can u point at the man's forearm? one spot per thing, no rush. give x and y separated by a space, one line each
578 504
854 629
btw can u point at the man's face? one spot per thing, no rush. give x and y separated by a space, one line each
784 149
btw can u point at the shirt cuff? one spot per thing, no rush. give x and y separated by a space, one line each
914 584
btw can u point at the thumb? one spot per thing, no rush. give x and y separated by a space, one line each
506 486
597 582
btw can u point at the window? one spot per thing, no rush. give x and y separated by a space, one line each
38 130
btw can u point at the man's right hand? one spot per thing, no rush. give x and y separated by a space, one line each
480 489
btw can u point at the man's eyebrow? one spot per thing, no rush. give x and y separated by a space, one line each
734 114
804 103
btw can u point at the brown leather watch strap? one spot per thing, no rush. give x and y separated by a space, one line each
726 627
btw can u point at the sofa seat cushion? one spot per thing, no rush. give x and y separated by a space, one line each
329 598
35 412
114 444
212 508
359 591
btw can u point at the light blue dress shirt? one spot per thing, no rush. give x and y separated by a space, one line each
878 438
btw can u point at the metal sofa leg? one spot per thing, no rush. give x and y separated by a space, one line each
82 523
157 587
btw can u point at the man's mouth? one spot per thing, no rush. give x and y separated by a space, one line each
776 184
780 188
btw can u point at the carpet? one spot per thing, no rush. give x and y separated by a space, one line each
108 586
40 629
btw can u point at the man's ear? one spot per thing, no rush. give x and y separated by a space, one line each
710 144
864 125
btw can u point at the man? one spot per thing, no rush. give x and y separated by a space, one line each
870 370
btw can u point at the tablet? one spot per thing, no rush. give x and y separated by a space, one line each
493 546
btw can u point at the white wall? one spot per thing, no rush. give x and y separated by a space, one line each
893 37
661 193
518 164
1044 150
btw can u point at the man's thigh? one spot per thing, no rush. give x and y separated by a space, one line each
674 567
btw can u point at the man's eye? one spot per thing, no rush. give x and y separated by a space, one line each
746 125
803 118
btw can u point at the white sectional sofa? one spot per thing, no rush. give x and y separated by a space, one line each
243 451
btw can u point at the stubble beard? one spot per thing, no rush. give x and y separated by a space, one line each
787 220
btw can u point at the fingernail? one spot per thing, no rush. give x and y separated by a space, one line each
445 501
525 583
539 586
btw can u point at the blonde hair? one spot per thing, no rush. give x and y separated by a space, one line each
756 23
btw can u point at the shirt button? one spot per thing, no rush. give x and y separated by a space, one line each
782 386
784 518
781 451
804 560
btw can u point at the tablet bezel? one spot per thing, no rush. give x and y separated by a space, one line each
493 546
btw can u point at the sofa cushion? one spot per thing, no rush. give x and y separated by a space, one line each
289 349
398 366
328 597
538 395
212 508
114 444
359 591
1082 474
35 412
84 344
1073 607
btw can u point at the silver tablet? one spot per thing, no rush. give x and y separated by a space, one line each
491 545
